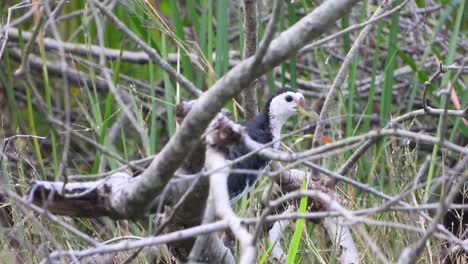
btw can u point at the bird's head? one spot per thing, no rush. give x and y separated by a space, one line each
285 103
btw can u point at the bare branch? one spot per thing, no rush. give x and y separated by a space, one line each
149 241
133 199
274 237
218 188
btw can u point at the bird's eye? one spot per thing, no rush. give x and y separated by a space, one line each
288 98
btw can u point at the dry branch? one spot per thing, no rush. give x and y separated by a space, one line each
134 198
218 188
326 198
274 238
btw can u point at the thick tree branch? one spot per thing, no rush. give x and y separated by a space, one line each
133 199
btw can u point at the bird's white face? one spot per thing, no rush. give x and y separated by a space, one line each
285 105
282 107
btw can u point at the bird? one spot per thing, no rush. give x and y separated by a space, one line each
263 128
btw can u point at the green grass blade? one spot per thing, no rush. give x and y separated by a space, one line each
300 224
107 113
6 77
186 65
154 129
48 98
375 64
386 98
168 92
266 254
222 45
352 76
32 128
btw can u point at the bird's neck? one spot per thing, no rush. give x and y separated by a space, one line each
275 127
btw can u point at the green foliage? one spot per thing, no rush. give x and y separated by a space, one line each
300 224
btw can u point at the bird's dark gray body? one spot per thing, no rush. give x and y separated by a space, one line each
259 130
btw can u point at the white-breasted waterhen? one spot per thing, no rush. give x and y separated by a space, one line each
264 128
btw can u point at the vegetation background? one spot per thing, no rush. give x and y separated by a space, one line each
203 39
